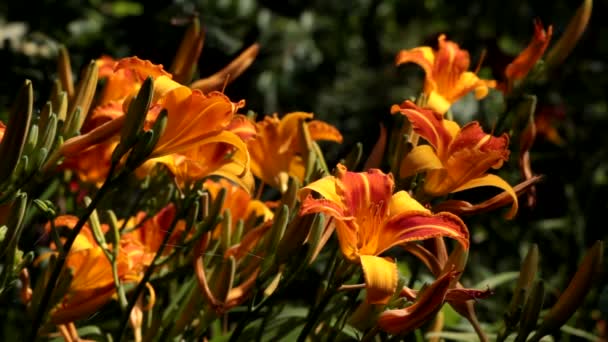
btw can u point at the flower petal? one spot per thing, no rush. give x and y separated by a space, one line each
420 158
402 201
525 61
363 190
430 300
495 181
326 187
424 56
380 278
428 124
320 130
415 226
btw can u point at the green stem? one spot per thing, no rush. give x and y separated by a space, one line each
48 291
140 287
313 315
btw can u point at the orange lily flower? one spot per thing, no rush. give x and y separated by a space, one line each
447 78
238 201
370 219
190 149
525 61
92 282
457 158
277 151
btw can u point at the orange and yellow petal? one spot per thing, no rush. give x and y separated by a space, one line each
380 278
416 226
428 302
525 61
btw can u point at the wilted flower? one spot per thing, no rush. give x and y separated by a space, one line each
370 220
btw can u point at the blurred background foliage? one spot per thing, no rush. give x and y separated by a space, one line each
335 58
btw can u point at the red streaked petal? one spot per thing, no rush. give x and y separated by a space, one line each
416 226
311 205
427 123
362 190
380 278
429 301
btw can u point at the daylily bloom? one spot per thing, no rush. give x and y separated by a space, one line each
457 158
277 151
92 282
447 78
240 203
525 61
196 142
370 219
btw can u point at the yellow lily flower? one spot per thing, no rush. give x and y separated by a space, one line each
447 78
277 151
457 158
370 219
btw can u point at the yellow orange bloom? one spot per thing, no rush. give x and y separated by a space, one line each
457 158
447 78
525 61
92 282
197 140
370 220
238 201
277 151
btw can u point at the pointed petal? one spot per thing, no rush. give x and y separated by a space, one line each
400 321
525 61
320 130
421 158
362 190
424 56
326 187
289 130
461 295
495 181
229 73
402 201
415 226
427 123
380 278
